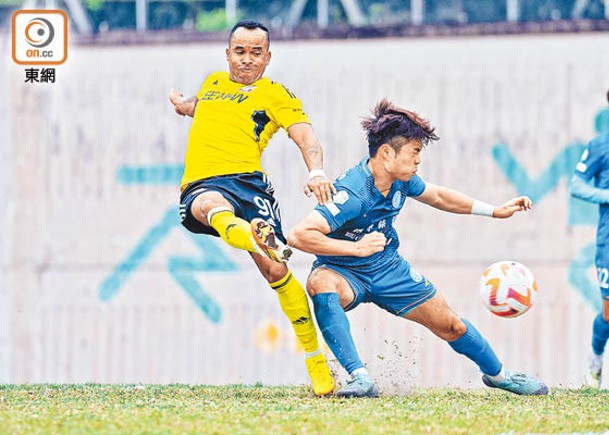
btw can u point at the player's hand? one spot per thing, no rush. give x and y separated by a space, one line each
370 244
506 210
177 99
321 187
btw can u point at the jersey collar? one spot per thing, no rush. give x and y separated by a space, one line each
364 164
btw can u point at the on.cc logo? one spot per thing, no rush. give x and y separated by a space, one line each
39 32
40 36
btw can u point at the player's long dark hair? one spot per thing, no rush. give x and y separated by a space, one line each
389 121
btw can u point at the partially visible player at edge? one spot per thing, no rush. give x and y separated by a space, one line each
357 252
594 165
225 192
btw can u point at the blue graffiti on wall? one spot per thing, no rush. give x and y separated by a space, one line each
580 212
183 269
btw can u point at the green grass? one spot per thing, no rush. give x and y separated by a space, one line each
94 408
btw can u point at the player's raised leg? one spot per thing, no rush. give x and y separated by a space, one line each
464 338
211 208
330 292
294 304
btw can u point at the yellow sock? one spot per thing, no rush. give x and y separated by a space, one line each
295 305
233 230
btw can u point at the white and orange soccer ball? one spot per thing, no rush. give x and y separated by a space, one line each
508 288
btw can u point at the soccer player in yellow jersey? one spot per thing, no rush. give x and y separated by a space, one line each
224 190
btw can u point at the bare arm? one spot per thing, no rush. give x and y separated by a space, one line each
183 106
453 201
446 199
310 236
304 137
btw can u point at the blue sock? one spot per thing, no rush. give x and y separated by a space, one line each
475 347
335 329
600 334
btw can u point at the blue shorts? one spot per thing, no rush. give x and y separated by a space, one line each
250 194
397 287
602 269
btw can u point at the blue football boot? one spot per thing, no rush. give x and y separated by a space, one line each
360 385
518 383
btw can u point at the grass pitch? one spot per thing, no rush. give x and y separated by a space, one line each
94 408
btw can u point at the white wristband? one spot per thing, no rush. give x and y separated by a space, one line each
317 173
482 208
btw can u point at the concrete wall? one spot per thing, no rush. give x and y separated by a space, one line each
98 282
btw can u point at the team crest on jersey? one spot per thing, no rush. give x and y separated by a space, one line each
397 199
340 198
248 88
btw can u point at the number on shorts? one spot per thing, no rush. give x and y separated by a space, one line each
267 209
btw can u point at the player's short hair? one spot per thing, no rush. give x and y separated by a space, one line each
389 121
251 24
607 95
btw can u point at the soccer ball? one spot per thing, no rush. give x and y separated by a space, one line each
508 288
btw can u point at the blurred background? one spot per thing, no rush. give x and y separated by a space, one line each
98 281
315 18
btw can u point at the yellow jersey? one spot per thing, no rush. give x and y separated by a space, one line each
233 123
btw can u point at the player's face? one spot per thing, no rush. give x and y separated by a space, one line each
403 165
247 55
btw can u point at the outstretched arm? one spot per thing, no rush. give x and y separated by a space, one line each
582 190
303 135
310 236
453 201
183 106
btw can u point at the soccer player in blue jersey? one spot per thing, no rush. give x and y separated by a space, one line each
357 252
594 165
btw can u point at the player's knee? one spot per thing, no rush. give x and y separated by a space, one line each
314 284
272 271
459 328
206 202
199 209
454 329
320 282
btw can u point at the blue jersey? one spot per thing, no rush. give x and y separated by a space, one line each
359 208
594 164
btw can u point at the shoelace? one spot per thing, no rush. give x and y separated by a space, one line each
351 381
357 379
518 378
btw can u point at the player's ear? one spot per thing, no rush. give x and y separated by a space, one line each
227 52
